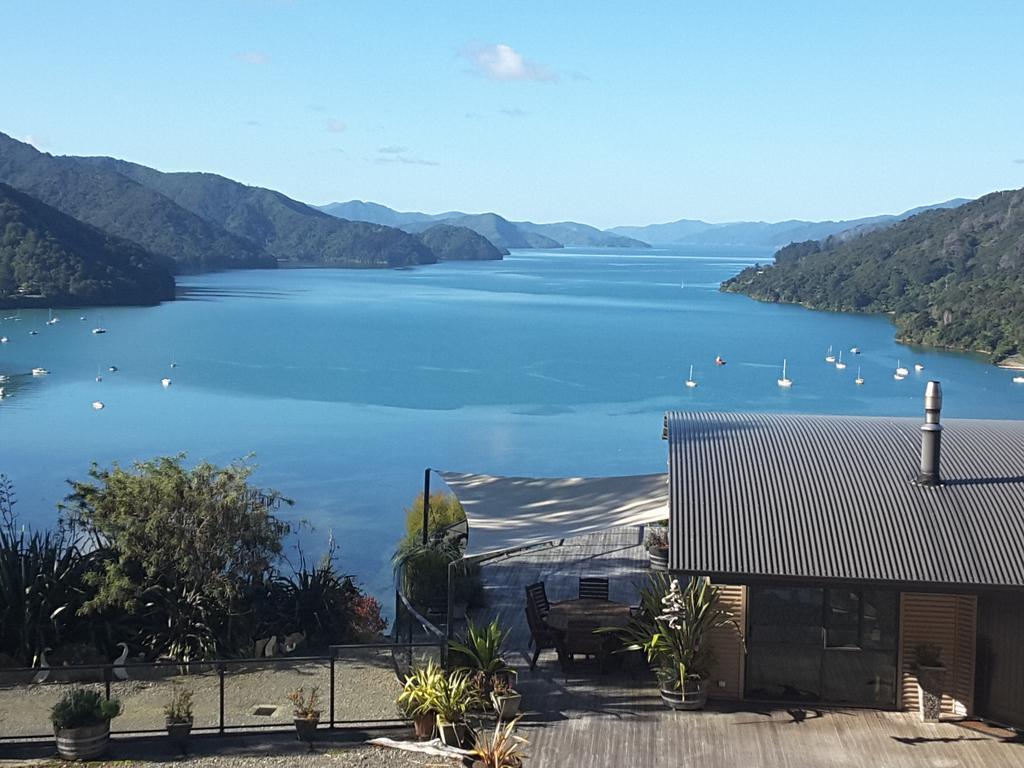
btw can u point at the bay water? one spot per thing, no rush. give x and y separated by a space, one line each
346 384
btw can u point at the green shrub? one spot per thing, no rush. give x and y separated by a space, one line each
445 511
82 707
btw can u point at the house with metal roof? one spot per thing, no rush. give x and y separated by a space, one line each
842 544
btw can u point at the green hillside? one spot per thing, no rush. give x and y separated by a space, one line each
951 278
118 205
459 244
286 229
49 259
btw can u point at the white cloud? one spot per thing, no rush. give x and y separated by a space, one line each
504 63
335 126
395 154
253 57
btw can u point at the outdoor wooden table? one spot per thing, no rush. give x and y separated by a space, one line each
604 613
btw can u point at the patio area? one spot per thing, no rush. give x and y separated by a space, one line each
617 719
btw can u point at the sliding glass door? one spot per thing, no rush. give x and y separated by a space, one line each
827 645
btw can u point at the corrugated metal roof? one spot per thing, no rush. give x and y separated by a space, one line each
833 498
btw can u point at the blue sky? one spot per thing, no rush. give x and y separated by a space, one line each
592 111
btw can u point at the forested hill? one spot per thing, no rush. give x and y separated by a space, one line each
287 229
125 208
50 259
951 278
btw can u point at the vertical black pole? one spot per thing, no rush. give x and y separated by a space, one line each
450 618
106 682
332 688
220 675
426 503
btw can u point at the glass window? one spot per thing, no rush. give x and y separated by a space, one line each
842 619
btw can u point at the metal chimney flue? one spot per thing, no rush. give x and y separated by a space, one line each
931 436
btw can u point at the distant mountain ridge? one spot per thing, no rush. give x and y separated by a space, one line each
951 277
499 230
285 229
768 234
49 259
125 208
202 221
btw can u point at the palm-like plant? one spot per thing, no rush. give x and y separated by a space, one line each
421 688
500 749
672 628
455 695
482 649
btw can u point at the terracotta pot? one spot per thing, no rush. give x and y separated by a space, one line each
693 696
83 743
424 725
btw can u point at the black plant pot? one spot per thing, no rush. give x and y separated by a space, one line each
305 730
179 733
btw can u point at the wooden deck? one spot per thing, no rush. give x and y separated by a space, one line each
616 554
617 719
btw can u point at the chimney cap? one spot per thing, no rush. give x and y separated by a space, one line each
933 396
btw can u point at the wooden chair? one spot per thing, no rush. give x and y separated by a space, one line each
581 640
541 635
593 588
536 593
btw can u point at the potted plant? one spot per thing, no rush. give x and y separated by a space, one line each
656 543
480 652
500 749
306 712
505 698
81 723
178 717
455 694
931 677
417 697
671 629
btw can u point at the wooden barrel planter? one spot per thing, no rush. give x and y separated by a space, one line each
693 696
659 558
83 743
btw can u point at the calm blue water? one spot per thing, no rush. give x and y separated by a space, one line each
346 384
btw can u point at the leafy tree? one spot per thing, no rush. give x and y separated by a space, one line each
185 550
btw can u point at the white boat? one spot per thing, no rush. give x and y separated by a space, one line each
2 395
900 370
97 405
1018 379
4 378
899 376
165 382
918 367
855 350
52 320
829 357
39 372
785 381
4 339
860 379
99 329
691 382
112 369
840 365
33 333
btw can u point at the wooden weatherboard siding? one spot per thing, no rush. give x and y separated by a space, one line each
727 678
949 622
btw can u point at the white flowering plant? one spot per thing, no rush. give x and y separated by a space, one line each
672 628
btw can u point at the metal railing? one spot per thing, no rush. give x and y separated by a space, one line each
358 683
